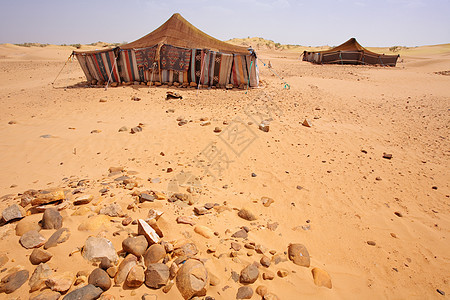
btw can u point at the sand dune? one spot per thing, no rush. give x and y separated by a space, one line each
332 189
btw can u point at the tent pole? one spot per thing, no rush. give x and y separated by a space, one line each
249 74
68 59
111 72
151 77
201 73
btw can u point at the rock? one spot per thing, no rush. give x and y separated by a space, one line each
246 214
95 223
48 196
156 275
95 248
127 221
307 123
266 201
192 84
249 274
217 129
60 282
107 297
154 254
100 278
200 210
40 256
260 249
13 212
387 155
13 281
192 279
185 220
398 214
187 249
58 237
136 129
112 271
135 245
26 225
123 129
136 277
299 255
105 263
39 276
84 199
265 261
147 231
103 100
32 239
205 123
371 243
279 258
236 246
244 292
321 278
440 292
124 268
143 197
46 295
283 273
261 290
88 292
112 210
240 234
81 279
168 286
268 275
270 296
204 231
264 126
3 259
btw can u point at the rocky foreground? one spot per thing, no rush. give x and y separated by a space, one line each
133 248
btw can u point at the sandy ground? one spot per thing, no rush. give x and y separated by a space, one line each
330 178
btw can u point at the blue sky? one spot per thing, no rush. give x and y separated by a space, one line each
308 23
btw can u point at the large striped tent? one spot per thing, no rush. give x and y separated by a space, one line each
350 52
174 52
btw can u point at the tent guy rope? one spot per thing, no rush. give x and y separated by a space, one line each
286 85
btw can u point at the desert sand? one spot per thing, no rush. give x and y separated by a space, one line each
379 227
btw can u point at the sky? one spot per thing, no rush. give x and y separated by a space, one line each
309 23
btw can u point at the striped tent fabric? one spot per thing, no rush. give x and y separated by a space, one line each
129 70
252 66
195 70
239 70
100 66
219 68
174 76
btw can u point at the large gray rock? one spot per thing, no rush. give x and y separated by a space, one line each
32 239
39 276
249 274
124 268
88 292
13 281
40 256
192 279
51 219
156 275
135 245
13 212
59 236
95 248
100 278
299 255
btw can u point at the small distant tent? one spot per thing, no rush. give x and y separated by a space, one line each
350 52
175 52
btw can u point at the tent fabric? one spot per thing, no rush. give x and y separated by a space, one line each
175 52
180 33
350 52
99 65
